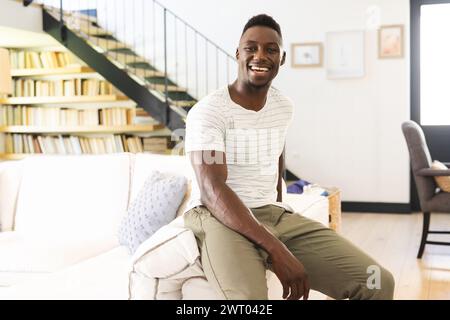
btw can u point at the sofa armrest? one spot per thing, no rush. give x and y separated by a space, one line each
10 180
162 263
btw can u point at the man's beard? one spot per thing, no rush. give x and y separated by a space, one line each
258 86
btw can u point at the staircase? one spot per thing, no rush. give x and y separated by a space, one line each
151 85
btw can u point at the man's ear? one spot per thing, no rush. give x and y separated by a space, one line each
237 53
283 59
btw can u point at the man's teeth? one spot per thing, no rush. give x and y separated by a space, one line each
259 69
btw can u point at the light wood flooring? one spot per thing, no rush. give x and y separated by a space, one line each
393 240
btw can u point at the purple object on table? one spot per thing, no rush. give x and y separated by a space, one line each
297 187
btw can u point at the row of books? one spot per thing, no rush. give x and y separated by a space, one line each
60 88
55 116
21 59
77 145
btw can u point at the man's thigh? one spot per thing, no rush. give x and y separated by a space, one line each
232 264
334 265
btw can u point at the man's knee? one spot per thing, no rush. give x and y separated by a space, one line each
379 286
386 291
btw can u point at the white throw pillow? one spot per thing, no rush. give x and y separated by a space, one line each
155 206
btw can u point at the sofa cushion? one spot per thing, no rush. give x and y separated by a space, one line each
198 288
10 178
144 164
155 206
21 254
102 277
69 196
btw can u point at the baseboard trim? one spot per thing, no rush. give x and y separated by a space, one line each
380 207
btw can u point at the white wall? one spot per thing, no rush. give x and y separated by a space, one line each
345 133
22 26
14 15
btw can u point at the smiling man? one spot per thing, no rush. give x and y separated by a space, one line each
235 138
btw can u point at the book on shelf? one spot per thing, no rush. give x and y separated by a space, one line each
61 87
5 73
28 59
76 145
60 117
155 144
116 116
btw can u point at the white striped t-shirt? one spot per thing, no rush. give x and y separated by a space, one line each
252 141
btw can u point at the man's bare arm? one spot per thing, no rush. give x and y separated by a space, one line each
280 178
228 208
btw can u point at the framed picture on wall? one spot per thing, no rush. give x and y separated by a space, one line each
390 42
345 54
307 55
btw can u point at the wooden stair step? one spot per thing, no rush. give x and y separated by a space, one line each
87 28
107 43
158 83
162 88
122 58
180 96
183 104
141 65
71 14
143 73
159 80
122 50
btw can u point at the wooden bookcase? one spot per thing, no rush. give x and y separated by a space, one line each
98 113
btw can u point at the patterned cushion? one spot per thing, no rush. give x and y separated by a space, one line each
155 205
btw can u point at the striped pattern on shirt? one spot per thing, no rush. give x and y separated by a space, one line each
253 142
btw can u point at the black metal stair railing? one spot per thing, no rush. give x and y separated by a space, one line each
149 44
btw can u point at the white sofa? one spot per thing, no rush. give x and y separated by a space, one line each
59 217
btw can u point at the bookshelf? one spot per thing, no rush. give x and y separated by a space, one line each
60 106
62 99
50 71
81 129
14 156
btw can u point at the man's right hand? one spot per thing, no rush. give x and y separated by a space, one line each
291 274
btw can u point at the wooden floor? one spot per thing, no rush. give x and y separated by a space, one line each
393 240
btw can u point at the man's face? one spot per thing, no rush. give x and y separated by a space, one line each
259 56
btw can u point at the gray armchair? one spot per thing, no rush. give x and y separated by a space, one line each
430 200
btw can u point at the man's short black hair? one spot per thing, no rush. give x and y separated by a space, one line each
265 21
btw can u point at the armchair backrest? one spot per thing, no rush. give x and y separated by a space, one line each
420 159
